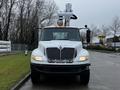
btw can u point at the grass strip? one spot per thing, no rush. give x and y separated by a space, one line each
12 69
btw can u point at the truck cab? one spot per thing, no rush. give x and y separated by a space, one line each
60 51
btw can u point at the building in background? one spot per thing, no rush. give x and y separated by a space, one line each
112 41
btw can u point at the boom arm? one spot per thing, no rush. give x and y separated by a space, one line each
65 17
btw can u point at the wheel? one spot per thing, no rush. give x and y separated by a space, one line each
35 77
84 77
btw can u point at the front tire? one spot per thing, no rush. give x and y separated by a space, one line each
84 77
35 77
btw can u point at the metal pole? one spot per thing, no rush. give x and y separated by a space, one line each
114 40
0 32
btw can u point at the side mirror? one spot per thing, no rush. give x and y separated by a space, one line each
88 36
88 33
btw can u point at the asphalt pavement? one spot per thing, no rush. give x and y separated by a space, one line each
105 75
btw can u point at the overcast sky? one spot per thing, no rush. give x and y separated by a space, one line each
90 12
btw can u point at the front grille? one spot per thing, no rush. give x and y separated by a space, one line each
53 53
67 53
64 55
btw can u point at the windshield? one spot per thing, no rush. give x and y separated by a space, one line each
71 34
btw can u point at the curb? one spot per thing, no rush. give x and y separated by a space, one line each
108 52
21 82
7 54
102 51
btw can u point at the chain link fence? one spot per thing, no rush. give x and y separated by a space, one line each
19 47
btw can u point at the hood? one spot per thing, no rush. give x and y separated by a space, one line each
60 43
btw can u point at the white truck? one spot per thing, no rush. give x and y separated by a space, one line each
60 51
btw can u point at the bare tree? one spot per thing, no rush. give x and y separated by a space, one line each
1 3
115 27
95 31
20 18
51 9
21 24
31 16
106 30
45 12
0 30
9 6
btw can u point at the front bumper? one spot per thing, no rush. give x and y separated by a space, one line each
59 69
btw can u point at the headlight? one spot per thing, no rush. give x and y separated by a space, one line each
37 58
83 58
